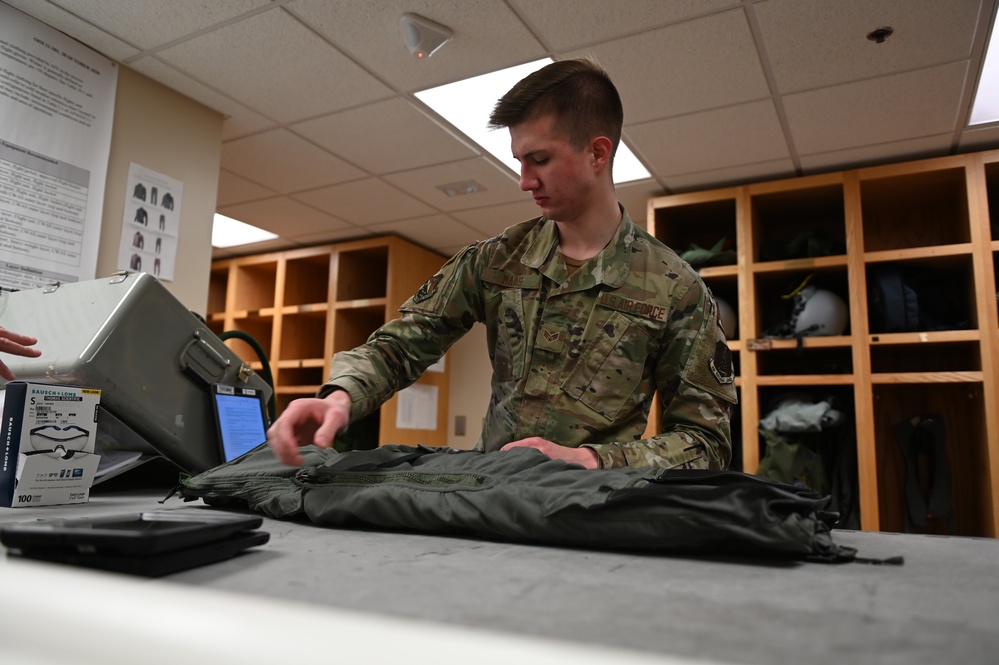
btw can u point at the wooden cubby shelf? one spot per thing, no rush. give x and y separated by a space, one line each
938 217
306 304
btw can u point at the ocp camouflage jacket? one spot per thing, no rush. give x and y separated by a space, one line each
576 358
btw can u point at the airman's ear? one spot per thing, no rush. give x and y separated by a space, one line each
602 149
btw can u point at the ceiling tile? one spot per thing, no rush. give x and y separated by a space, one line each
817 44
235 189
497 185
567 24
487 37
701 64
717 139
239 120
365 202
930 146
980 138
432 232
385 137
724 177
283 216
148 23
492 220
891 108
284 162
332 235
60 19
276 66
243 122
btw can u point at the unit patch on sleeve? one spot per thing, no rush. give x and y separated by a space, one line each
428 289
720 363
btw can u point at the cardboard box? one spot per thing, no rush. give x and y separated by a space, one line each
47 444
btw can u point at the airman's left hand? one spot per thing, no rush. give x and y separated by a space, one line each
586 457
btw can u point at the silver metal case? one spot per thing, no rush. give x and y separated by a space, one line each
152 358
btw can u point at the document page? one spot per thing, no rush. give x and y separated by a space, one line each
56 113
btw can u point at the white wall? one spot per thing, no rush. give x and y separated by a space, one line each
171 134
469 389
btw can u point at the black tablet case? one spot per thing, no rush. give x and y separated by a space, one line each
153 543
154 565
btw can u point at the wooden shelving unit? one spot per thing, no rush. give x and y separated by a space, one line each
304 305
940 214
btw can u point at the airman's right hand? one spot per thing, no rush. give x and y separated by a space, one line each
309 421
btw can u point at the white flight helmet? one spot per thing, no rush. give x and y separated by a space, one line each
818 312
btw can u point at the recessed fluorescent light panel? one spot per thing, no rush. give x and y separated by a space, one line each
467 105
986 106
229 232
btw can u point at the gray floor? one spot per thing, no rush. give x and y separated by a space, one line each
941 606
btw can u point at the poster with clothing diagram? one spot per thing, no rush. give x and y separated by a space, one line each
150 223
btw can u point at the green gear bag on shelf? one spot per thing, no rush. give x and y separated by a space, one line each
717 255
524 496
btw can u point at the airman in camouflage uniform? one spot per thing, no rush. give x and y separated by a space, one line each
587 316
576 357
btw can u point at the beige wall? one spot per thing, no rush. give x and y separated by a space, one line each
470 375
171 134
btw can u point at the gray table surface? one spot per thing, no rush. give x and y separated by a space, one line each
941 606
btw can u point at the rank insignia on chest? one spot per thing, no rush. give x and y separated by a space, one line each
550 338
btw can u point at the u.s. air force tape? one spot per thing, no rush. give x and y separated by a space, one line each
635 307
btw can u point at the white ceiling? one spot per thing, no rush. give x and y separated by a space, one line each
324 139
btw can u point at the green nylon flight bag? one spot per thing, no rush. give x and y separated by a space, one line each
523 496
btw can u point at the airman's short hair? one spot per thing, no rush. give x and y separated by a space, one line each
577 93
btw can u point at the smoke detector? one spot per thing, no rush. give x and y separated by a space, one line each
423 37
